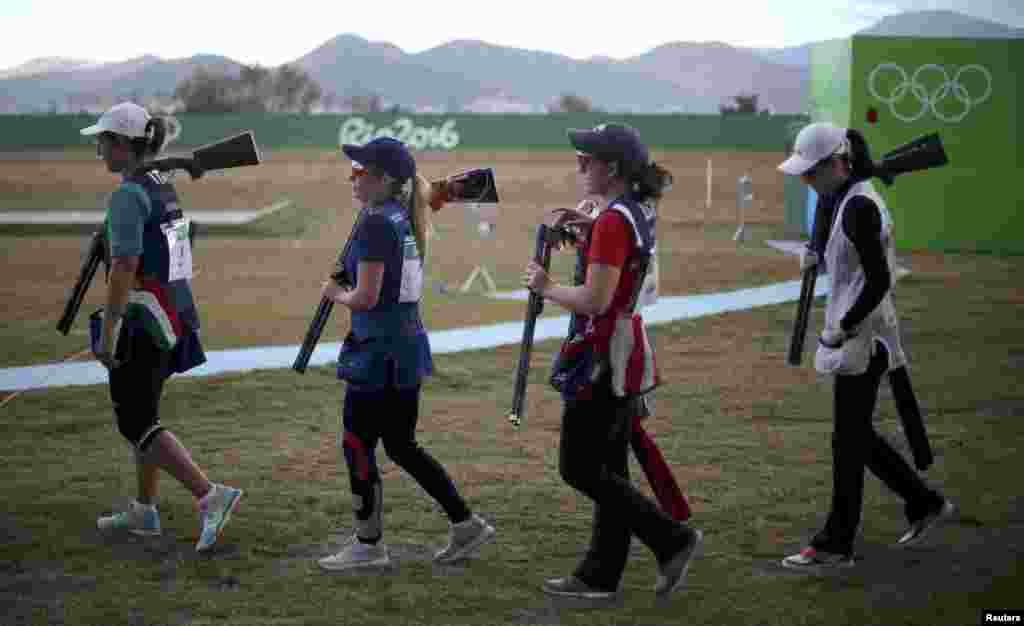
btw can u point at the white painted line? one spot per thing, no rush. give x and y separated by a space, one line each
207 216
667 309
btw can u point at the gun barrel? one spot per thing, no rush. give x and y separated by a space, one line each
85 276
796 344
316 328
534 307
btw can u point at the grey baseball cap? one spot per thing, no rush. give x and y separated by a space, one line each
815 143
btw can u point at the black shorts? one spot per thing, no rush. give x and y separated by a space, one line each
136 387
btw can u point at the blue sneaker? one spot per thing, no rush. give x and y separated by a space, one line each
139 519
214 512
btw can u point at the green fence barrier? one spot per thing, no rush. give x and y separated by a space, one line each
759 133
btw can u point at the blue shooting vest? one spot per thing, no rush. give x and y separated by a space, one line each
388 345
188 351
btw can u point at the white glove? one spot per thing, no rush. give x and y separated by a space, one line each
808 259
834 337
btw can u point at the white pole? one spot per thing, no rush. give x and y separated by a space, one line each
708 204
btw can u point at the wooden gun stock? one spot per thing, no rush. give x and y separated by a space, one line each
93 257
534 307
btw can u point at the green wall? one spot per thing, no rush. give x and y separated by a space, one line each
829 86
976 201
437 132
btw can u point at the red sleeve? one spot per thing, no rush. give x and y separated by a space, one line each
611 239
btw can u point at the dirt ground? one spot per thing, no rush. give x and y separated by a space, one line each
265 289
318 179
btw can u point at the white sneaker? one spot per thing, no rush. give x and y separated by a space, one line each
214 512
356 554
139 519
464 538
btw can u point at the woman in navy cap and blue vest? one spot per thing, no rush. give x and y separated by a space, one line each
607 363
149 328
386 355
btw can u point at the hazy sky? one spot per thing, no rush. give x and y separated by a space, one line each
270 33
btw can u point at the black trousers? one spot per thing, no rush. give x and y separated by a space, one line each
856 445
593 460
390 416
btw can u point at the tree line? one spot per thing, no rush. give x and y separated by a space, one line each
289 89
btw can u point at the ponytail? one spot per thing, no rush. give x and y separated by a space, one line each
418 205
650 183
153 142
861 165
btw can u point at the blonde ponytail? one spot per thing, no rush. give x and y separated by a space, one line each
419 215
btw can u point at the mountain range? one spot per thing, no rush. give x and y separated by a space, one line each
476 75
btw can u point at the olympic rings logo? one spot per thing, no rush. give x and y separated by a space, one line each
929 99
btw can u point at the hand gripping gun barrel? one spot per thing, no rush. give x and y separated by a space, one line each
323 311
546 238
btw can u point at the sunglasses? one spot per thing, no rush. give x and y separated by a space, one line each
359 170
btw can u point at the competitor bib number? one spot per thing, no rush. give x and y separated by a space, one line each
412 272
179 250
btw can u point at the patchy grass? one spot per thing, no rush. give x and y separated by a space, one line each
747 436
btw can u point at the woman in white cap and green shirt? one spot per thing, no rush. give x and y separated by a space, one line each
859 343
149 328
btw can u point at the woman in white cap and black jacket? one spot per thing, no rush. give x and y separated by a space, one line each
607 362
859 343
149 328
386 355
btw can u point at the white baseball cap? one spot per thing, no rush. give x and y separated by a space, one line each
127 119
814 143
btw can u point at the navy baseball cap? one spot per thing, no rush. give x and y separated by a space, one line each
612 142
384 153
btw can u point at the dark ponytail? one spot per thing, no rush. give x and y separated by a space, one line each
153 142
861 165
650 183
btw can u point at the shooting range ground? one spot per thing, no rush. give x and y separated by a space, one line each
746 436
239 275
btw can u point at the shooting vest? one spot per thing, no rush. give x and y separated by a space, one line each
614 343
162 304
388 344
846 275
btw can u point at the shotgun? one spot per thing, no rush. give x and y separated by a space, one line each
534 307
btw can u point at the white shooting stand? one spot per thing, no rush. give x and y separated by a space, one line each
481 218
744 199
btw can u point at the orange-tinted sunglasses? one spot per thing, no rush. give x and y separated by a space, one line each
358 171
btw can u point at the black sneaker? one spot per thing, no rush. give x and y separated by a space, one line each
917 531
572 587
672 574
